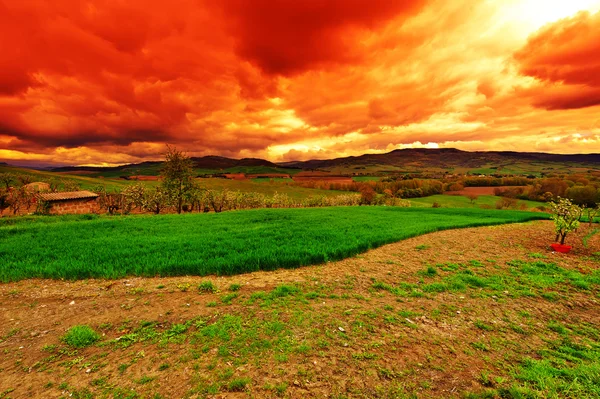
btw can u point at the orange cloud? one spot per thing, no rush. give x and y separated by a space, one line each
113 81
565 56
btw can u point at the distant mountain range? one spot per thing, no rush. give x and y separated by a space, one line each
446 158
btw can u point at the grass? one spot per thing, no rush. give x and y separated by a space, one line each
80 336
460 201
298 334
222 244
267 187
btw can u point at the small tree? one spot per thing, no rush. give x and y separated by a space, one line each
178 176
566 218
24 179
591 213
134 195
70 185
367 195
472 198
4 200
217 199
7 179
155 200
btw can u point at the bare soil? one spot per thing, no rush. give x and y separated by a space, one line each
355 348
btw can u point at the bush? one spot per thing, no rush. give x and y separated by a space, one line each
80 336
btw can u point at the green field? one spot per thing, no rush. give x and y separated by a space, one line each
227 243
460 201
85 182
267 187
532 168
264 186
366 178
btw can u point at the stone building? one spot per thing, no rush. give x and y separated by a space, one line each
73 202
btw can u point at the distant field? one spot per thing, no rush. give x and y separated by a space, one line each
264 186
459 201
366 178
267 187
86 182
533 168
476 190
226 243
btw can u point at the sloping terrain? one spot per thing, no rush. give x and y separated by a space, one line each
484 312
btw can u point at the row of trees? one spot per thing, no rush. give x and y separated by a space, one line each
547 189
139 198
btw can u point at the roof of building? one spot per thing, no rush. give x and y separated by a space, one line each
68 195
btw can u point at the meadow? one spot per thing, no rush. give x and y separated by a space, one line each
89 246
461 201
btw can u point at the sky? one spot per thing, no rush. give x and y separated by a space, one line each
107 82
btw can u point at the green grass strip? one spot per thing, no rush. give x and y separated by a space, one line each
222 244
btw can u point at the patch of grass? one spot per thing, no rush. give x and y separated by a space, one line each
164 366
483 326
429 271
226 299
365 356
145 380
204 244
80 336
238 384
207 287
234 287
567 369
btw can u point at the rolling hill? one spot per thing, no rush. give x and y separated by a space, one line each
406 160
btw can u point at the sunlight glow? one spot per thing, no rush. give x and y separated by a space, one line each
533 14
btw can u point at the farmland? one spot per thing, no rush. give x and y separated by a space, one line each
482 312
460 201
447 298
228 243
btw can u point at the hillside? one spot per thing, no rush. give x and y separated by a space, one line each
447 158
398 161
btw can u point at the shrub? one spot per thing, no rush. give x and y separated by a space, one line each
80 336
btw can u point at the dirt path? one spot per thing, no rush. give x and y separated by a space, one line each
362 341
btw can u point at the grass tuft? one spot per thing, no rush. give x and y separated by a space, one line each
80 336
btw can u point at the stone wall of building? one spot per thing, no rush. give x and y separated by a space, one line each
74 206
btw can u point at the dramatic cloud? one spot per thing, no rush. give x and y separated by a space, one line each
109 81
565 56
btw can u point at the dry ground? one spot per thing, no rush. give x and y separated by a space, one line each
370 326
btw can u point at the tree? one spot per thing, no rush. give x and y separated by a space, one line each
566 218
178 176
4 201
134 195
25 179
472 197
7 179
155 200
583 195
